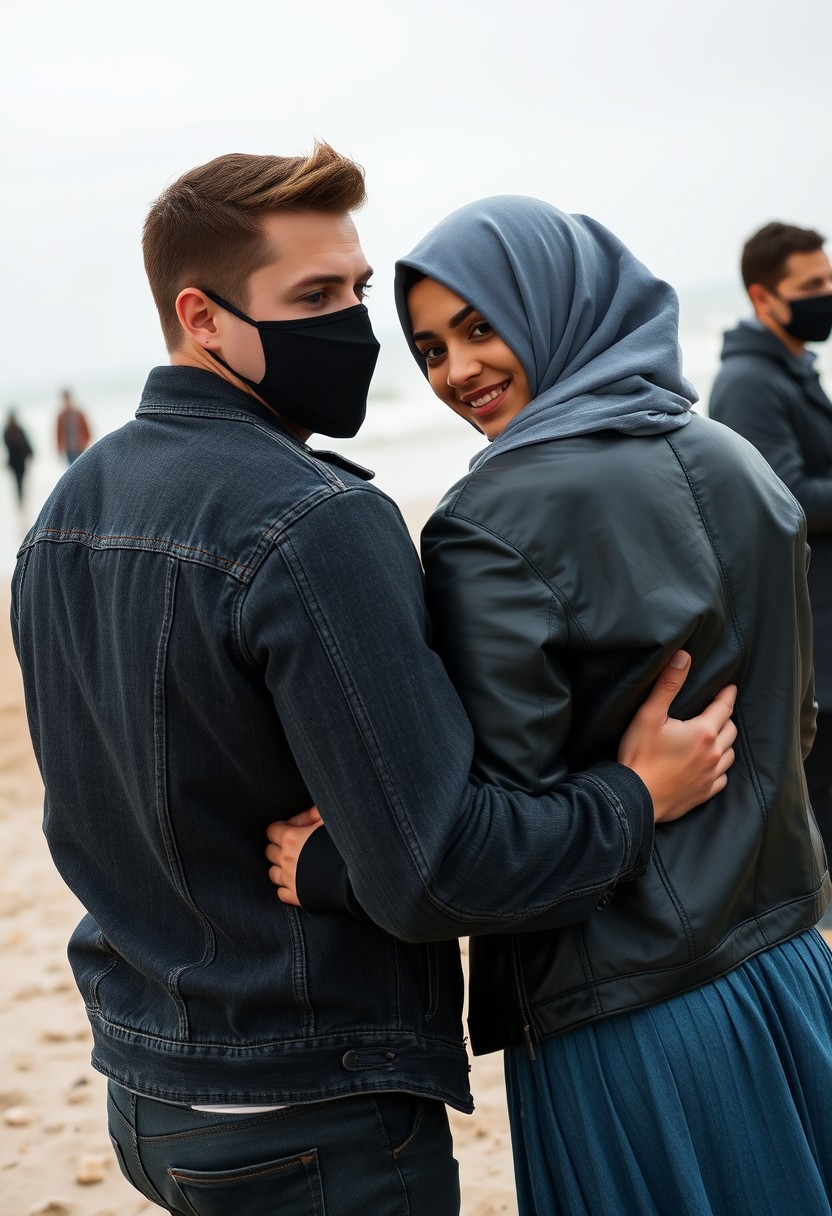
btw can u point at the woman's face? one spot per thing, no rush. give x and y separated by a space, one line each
469 367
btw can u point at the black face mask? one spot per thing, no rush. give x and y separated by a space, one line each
811 318
318 369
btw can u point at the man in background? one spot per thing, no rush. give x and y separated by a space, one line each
73 432
769 390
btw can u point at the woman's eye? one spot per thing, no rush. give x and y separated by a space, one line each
432 353
481 330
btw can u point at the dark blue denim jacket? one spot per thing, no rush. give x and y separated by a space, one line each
216 627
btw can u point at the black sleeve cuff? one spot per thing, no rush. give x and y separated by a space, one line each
632 797
322 880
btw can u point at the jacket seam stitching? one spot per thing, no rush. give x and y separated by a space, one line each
160 544
553 587
677 903
729 600
273 540
621 815
162 816
629 975
587 967
333 1038
300 970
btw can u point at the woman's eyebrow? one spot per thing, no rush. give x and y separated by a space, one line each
455 320
460 316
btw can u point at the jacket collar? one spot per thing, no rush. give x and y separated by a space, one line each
178 389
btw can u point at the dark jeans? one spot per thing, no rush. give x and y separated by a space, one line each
373 1155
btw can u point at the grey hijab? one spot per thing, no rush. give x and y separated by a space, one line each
595 332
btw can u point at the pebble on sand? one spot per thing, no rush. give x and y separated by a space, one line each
50 1207
91 1168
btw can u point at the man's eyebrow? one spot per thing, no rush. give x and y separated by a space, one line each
313 280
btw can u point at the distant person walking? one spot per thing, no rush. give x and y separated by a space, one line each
769 390
19 451
73 429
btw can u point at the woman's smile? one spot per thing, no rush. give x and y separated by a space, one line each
491 398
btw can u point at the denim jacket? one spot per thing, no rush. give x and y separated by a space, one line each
216 627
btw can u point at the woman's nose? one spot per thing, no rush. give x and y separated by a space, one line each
463 366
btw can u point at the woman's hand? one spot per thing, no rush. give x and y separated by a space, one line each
287 837
683 764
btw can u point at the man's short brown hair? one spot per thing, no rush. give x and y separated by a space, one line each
764 254
205 230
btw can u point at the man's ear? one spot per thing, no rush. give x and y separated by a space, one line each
760 298
196 316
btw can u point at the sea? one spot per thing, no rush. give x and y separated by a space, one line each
415 445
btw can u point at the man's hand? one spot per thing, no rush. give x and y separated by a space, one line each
683 764
287 837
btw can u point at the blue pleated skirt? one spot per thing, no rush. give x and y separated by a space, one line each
714 1103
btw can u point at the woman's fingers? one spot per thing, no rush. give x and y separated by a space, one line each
304 819
720 709
283 850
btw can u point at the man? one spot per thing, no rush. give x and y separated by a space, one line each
769 390
217 627
72 431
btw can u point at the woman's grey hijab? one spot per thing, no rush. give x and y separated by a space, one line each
595 332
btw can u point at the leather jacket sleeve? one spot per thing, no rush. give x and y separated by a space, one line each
502 630
335 619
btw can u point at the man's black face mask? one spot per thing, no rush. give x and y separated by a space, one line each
811 318
318 369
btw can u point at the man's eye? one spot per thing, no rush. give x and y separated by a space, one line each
315 297
363 289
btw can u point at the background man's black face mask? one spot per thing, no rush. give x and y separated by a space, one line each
811 318
318 369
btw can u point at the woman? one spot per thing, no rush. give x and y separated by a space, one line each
672 1053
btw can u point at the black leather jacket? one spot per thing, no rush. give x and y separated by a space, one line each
561 578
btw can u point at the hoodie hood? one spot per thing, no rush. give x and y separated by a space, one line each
752 338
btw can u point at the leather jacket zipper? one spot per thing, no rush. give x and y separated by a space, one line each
525 1016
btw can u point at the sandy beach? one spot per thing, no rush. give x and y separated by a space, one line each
55 1155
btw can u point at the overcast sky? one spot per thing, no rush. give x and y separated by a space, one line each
681 124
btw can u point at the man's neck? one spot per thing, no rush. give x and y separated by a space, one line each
791 343
192 355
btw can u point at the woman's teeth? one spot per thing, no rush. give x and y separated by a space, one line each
478 402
